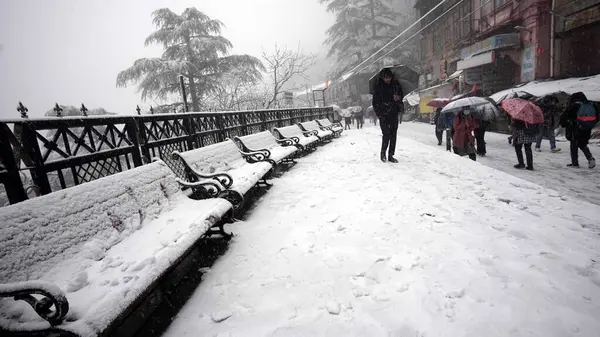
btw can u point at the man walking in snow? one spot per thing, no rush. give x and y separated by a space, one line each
386 96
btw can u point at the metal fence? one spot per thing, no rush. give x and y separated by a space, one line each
58 152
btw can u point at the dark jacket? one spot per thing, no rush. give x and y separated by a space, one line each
383 98
568 120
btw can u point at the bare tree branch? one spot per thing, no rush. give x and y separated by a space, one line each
283 65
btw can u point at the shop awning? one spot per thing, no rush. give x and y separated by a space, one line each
476 61
412 98
455 74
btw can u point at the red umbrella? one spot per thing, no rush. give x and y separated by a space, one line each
438 102
525 111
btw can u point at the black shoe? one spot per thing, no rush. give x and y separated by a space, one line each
572 165
530 168
383 157
392 159
520 166
440 143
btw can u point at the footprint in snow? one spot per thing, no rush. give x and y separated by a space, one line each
221 316
333 308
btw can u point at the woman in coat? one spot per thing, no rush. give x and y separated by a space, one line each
523 136
462 134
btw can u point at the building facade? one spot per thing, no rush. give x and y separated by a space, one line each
577 38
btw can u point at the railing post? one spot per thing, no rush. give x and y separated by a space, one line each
32 147
219 122
279 119
134 135
187 125
142 139
263 121
244 123
12 181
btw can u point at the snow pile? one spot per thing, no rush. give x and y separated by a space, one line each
225 157
436 245
102 242
590 86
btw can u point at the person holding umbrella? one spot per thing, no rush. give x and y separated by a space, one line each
387 93
526 118
462 130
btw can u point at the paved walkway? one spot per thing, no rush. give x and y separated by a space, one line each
550 168
436 245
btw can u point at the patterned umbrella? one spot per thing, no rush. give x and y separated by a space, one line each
438 102
522 110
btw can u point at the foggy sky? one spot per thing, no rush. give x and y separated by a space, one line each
70 51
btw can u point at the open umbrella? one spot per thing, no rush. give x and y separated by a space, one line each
438 102
523 110
404 77
482 107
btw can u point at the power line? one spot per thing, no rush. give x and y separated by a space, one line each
415 34
351 72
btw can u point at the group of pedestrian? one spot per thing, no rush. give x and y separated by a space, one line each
354 114
467 133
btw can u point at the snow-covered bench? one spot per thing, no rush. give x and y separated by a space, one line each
303 140
336 128
323 134
100 253
263 146
222 163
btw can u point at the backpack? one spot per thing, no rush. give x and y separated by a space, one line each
586 116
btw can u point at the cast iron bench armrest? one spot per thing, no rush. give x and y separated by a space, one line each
250 155
43 307
225 179
213 189
287 141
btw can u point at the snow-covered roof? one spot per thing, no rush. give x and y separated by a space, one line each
590 86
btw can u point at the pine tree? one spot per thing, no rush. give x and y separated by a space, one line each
361 28
194 48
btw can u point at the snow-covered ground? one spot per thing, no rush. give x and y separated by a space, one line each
436 245
550 168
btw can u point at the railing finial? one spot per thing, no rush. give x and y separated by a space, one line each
83 110
58 110
23 110
139 111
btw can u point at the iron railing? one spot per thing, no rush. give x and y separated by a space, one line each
54 153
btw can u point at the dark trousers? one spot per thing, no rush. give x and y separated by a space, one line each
347 122
439 133
528 154
360 121
575 147
389 129
479 138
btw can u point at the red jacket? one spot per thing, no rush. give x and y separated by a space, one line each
463 128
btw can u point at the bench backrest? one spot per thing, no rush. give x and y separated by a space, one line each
261 140
85 219
219 157
291 131
311 125
325 122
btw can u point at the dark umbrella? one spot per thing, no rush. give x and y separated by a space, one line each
404 76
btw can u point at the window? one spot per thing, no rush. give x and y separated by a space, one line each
498 3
